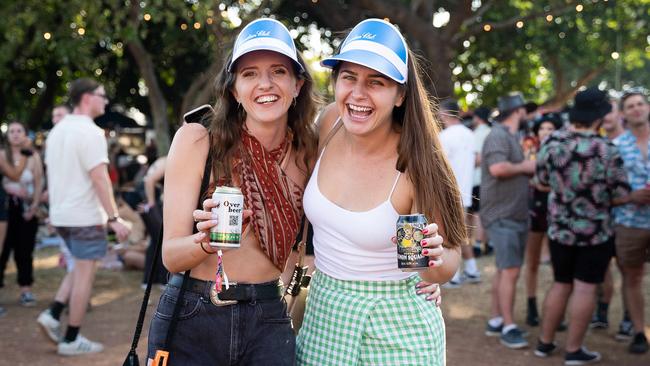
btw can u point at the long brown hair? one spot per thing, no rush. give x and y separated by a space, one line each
228 119
421 156
8 150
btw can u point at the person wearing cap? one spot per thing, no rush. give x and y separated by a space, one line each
481 128
633 220
504 213
586 177
260 140
458 143
543 127
381 157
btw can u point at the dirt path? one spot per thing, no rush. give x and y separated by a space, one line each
117 295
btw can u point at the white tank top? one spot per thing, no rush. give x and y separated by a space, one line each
352 245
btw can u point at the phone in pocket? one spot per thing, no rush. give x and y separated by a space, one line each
200 115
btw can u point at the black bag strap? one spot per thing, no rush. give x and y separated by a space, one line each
132 357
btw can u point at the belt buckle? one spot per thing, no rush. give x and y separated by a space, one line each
214 298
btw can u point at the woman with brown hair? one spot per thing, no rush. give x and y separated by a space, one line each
24 196
381 158
259 139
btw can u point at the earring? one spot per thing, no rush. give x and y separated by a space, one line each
294 102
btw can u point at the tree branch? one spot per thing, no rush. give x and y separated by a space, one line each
478 28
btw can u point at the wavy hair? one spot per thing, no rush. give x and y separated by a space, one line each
228 120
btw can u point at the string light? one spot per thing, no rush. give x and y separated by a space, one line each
183 26
197 25
47 35
147 17
549 18
81 31
209 20
615 55
579 8
520 24
487 27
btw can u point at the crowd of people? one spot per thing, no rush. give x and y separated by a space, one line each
569 187
574 184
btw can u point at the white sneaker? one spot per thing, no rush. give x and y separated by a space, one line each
50 326
79 346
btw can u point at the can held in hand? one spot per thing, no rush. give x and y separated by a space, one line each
228 213
409 249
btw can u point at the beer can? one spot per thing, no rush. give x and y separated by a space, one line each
409 249
228 213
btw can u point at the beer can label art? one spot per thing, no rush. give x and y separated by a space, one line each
228 213
409 249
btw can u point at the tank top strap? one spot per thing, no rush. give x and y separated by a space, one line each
394 185
330 134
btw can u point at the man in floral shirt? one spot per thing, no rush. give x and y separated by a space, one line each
633 220
586 176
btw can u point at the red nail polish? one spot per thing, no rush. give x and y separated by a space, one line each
432 263
425 231
425 252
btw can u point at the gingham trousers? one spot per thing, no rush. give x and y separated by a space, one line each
383 323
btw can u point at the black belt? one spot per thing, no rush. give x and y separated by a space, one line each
238 292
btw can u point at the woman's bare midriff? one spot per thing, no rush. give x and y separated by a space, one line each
247 264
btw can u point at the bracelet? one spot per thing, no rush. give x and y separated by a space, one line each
206 250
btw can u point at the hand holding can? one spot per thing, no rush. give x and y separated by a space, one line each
432 245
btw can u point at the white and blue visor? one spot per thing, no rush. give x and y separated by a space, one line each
265 34
376 44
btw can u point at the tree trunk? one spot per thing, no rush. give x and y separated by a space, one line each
155 96
45 100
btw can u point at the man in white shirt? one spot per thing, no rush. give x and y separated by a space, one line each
81 207
481 125
458 143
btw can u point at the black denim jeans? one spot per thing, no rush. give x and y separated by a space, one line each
248 333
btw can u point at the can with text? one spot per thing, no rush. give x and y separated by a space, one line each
228 213
409 249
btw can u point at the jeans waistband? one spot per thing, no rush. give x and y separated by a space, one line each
236 291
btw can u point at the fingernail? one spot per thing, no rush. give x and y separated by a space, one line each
425 252
424 242
432 263
425 231
429 298
418 285
418 292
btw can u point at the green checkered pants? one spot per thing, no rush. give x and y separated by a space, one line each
349 323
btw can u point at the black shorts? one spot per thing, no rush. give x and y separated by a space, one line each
585 263
476 195
538 210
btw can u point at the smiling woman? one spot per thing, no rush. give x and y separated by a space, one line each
381 158
260 141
